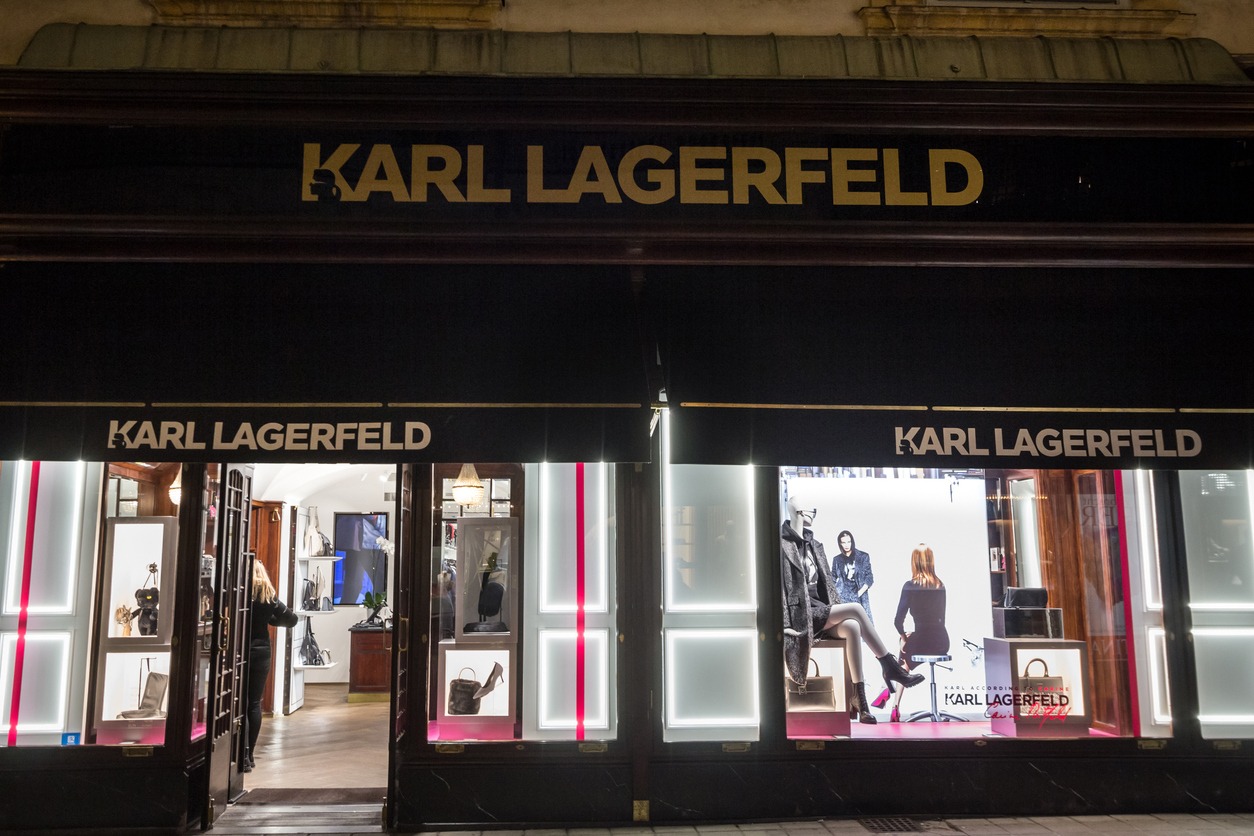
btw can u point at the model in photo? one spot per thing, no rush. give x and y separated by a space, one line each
852 572
813 609
923 599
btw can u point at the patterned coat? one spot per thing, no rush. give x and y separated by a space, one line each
804 612
847 587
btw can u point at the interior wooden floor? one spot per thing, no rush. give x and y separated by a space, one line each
329 743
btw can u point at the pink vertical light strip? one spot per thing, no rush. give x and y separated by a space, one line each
580 581
1130 648
19 657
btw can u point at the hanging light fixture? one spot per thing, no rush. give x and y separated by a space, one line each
176 487
467 489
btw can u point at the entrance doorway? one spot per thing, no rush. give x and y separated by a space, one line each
325 535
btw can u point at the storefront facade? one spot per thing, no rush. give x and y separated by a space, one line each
1003 320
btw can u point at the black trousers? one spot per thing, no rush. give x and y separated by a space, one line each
259 654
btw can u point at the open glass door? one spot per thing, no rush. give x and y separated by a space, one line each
230 616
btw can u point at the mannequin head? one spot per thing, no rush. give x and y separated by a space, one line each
799 515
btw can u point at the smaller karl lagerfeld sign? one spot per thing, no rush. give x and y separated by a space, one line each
271 435
1069 442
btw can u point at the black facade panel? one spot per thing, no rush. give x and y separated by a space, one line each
826 366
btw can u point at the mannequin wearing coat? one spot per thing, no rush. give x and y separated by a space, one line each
813 608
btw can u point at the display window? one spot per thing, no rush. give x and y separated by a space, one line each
970 603
87 621
523 603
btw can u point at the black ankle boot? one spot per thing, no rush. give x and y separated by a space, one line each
864 711
894 672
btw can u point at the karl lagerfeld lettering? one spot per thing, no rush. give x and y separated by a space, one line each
1047 443
272 435
647 174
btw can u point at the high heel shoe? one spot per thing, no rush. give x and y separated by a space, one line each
879 701
496 676
895 717
864 713
894 672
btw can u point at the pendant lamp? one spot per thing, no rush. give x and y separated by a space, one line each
176 487
467 489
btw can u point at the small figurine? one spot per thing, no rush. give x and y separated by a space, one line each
122 615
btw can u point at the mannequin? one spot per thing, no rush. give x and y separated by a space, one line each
812 608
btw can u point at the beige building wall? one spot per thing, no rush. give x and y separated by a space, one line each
1228 22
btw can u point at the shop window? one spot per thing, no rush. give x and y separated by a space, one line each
1008 592
82 538
524 604
709 615
1219 548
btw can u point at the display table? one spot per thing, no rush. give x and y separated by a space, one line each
369 664
1037 687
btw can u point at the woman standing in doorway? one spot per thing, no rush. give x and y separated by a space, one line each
267 610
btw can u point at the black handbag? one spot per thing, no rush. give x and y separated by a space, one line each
309 596
1043 684
461 694
310 653
491 596
817 693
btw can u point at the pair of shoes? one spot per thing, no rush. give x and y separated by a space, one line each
864 712
894 672
879 701
494 678
895 717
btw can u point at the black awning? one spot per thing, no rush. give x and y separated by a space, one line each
958 367
300 363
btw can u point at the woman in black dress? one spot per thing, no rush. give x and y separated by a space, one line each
267 610
923 597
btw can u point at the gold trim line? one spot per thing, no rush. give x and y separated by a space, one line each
834 407
77 404
1216 411
1105 409
439 405
261 405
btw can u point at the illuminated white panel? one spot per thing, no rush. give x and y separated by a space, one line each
558 545
1225 670
16 551
1160 693
708 535
557 679
1147 528
45 680
712 678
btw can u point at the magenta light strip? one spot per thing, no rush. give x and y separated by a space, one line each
580 589
1127 605
19 658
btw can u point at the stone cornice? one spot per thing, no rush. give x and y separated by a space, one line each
911 17
328 13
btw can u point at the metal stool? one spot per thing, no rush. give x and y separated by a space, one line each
935 715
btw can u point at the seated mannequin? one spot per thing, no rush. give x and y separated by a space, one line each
812 609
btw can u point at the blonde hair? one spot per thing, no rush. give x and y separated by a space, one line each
263 589
923 567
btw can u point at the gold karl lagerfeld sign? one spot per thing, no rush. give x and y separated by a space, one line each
643 174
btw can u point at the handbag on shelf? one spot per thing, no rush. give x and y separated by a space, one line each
309 596
461 694
319 544
817 693
1043 684
321 601
310 653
